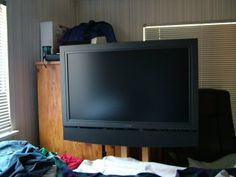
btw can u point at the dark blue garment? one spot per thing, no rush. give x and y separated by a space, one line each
69 173
200 172
102 175
84 32
20 158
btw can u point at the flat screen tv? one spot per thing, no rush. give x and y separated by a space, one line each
131 93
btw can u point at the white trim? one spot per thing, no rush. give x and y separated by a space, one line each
6 135
190 25
144 32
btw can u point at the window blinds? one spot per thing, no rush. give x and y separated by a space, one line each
5 121
217 53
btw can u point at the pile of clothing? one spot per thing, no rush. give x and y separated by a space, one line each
22 159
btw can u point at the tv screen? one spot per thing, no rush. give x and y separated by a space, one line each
131 89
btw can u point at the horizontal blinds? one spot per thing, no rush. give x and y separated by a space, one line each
217 53
5 120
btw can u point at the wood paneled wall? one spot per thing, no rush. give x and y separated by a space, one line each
129 16
24 17
61 11
126 16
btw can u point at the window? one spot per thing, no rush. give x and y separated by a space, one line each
216 52
5 119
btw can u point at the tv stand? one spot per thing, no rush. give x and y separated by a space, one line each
145 153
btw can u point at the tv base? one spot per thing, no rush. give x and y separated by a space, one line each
132 138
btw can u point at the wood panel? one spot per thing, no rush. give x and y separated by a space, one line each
24 17
23 41
129 16
50 116
59 11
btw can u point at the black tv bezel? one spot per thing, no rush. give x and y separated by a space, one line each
73 126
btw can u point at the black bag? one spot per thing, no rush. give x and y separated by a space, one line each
84 32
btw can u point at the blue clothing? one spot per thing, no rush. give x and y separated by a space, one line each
20 158
69 173
84 32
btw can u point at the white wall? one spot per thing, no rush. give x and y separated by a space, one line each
24 17
129 16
